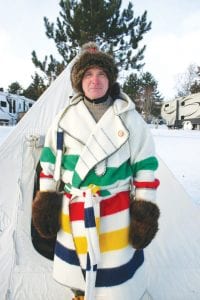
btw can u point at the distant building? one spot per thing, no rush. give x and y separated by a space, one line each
13 107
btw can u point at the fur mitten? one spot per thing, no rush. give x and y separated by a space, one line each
144 223
46 210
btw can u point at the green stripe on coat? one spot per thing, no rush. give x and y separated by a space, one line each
150 163
47 155
68 161
111 175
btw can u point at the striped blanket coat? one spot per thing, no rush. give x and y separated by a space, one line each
101 164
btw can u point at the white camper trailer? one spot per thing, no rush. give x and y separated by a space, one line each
182 112
12 107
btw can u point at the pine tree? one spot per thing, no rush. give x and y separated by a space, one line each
132 87
143 91
36 88
15 88
115 30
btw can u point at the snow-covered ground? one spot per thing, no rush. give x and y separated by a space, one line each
4 132
179 149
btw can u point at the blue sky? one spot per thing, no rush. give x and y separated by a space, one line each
172 44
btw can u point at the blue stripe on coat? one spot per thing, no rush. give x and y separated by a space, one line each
89 217
88 265
59 140
109 276
66 254
115 276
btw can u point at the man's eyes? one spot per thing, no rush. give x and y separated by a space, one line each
102 74
88 74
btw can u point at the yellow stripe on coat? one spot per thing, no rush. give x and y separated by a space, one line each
65 223
110 241
114 240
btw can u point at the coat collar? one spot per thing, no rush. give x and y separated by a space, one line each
120 105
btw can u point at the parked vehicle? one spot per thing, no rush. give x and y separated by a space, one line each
183 112
13 107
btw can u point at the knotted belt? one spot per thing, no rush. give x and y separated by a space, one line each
91 212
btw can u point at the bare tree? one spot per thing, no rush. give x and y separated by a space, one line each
185 80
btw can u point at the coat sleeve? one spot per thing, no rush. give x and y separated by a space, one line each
143 159
48 160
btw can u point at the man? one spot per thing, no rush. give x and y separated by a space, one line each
102 151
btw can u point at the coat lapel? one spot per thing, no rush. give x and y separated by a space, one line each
105 138
99 140
77 122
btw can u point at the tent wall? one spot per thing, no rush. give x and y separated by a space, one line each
173 258
25 274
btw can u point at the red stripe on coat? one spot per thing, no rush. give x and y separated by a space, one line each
42 175
147 184
76 209
115 204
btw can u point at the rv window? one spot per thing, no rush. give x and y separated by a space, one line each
3 104
30 104
182 117
166 105
183 103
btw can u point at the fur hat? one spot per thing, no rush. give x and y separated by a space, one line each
91 56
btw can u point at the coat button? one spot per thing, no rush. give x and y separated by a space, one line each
120 133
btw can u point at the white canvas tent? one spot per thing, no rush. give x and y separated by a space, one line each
25 274
172 260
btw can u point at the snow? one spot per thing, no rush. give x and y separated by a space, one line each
179 149
4 132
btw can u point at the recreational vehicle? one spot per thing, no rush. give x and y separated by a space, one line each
12 108
182 112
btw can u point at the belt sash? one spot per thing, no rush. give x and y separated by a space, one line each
91 212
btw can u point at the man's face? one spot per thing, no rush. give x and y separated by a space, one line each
95 83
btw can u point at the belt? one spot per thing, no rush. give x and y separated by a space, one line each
91 211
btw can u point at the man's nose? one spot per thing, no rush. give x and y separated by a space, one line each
95 79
